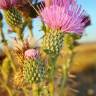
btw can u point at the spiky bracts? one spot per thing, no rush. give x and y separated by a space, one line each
53 42
13 18
34 69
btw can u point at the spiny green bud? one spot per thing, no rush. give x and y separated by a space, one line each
34 68
53 42
13 18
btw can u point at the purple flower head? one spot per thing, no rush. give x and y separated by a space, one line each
64 15
6 4
32 53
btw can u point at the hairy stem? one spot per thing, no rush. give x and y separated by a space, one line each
66 68
52 75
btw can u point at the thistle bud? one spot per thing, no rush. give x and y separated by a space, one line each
34 68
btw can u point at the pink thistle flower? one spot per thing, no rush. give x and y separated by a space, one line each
6 4
32 53
65 16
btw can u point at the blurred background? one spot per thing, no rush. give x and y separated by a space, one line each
84 63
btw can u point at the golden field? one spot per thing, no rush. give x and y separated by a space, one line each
83 82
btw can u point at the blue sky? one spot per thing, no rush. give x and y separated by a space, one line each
90 32
90 7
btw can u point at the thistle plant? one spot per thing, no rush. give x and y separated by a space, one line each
63 20
33 67
36 69
12 15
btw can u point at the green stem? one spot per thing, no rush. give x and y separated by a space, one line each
44 90
53 66
20 34
41 89
35 90
28 22
52 75
66 68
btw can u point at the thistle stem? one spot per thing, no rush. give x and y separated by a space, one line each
51 88
66 68
28 22
20 35
44 90
35 90
52 75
